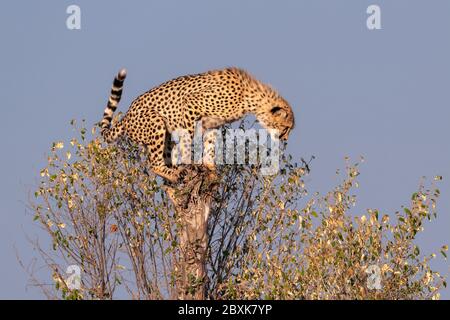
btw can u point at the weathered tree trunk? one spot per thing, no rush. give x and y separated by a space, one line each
192 202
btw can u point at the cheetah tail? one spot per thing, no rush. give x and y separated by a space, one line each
114 98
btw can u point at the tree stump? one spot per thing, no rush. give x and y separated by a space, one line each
192 201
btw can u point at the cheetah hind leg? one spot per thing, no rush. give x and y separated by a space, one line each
172 175
159 166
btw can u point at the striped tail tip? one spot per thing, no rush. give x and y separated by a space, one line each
122 74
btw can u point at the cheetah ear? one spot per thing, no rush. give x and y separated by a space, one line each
277 111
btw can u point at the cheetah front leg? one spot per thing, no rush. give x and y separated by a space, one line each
210 132
186 137
209 145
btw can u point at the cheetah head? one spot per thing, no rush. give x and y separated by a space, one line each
276 113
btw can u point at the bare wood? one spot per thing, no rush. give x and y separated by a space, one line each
192 202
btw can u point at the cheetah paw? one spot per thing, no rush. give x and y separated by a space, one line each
182 173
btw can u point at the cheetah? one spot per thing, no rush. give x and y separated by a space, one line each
215 98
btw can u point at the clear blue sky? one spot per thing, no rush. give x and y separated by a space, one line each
383 94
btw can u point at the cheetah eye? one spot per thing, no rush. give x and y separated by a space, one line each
275 109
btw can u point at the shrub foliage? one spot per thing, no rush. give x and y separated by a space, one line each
268 238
